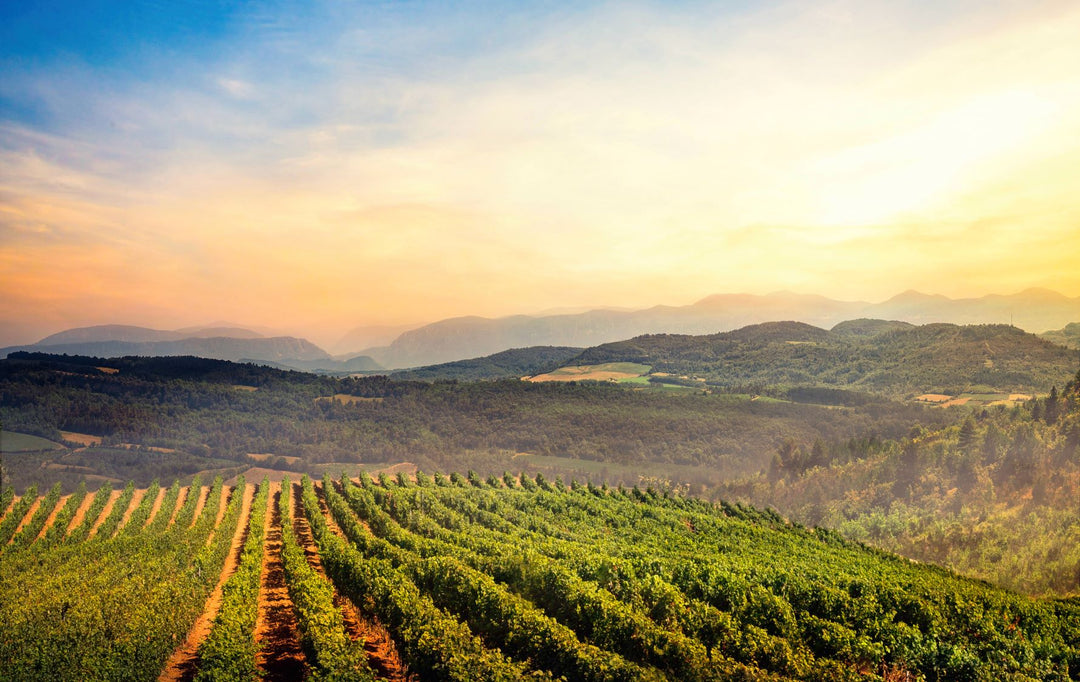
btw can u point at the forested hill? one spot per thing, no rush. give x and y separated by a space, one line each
225 412
891 358
515 362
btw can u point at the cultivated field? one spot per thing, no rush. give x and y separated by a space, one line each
24 442
610 371
421 578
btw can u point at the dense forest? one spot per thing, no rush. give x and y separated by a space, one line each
223 411
995 495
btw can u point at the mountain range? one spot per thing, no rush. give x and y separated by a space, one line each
1034 310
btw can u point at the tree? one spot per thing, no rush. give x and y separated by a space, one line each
908 471
1052 409
967 435
1019 462
993 442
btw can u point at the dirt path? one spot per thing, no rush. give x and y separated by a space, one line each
158 501
113 497
52 517
223 504
180 499
182 665
277 631
4 511
80 513
200 504
382 653
140 493
26 519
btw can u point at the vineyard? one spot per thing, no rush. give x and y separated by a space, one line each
463 578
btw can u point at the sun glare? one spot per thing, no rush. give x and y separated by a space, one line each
927 165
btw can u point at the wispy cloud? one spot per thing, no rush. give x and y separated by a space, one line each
392 164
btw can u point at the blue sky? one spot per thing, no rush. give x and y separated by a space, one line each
385 163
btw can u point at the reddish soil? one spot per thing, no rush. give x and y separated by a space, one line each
223 504
277 631
52 516
180 499
204 492
382 653
140 493
80 513
26 519
113 496
4 511
183 664
157 505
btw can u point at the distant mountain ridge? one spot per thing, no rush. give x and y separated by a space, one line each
279 349
515 362
459 338
133 334
463 338
111 332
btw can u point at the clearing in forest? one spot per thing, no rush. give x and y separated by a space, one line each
609 371
11 441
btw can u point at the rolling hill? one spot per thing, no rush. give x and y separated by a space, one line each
1069 336
1034 310
876 356
515 362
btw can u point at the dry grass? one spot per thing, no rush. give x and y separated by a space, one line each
80 438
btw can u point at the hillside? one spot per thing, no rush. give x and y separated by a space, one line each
504 578
886 358
221 410
995 496
459 338
1069 336
515 362
73 419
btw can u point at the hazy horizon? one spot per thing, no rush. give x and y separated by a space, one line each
314 167
331 338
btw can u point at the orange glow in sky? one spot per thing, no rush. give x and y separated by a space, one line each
399 169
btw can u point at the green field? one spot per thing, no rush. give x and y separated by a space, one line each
24 442
607 371
500 578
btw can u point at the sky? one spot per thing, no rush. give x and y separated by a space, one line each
316 166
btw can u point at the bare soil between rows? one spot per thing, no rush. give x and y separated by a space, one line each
277 630
382 653
184 662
